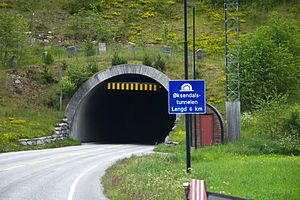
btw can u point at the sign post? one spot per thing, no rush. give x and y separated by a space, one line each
187 97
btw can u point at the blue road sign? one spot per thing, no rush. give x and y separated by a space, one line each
187 97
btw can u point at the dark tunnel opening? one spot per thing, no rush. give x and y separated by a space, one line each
125 116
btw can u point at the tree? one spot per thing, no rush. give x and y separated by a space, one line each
268 61
12 34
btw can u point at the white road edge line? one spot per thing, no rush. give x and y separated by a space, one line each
73 186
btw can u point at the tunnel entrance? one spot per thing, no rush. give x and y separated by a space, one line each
120 114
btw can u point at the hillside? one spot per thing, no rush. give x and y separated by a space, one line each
29 91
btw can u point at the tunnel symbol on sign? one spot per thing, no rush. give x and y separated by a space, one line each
186 88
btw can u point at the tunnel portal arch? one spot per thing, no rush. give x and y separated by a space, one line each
97 114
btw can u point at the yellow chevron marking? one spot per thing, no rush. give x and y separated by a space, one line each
146 87
136 86
109 86
122 86
118 86
113 86
141 86
127 86
150 87
154 87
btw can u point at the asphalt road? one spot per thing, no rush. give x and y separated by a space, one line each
68 173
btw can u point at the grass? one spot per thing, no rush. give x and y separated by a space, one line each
24 109
249 168
16 146
160 176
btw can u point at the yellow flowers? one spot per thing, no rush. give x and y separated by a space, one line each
180 132
216 17
158 39
138 28
15 121
107 17
2 5
133 32
148 14
133 5
222 81
171 2
132 39
116 13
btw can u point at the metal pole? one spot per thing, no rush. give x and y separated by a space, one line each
60 81
194 74
187 123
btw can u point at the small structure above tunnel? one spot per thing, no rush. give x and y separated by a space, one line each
99 113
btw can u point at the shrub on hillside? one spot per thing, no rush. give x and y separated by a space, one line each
64 65
274 127
88 48
159 63
68 87
118 60
48 59
12 28
268 62
92 67
47 76
78 74
147 60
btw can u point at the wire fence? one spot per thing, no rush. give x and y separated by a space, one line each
36 55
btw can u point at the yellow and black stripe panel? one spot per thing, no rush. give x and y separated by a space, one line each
133 86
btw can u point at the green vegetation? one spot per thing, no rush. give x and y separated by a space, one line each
274 127
159 63
48 59
269 60
147 60
160 176
261 166
12 27
250 168
118 60
13 128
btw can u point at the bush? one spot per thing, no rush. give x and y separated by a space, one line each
77 25
68 87
48 59
64 65
290 141
92 67
147 60
274 127
53 102
88 48
268 62
78 74
12 28
118 60
46 76
159 64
